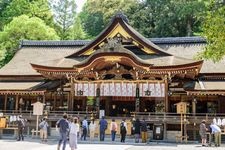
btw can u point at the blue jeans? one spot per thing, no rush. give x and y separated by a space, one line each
102 135
113 133
62 138
84 134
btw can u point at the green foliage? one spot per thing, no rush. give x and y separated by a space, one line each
64 15
77 32
3 6
31 8
214 32
157 18
96 14
21 28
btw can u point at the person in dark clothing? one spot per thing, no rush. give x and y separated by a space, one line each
63 126
123 130
137 130
21 126
144 134
84 129
102 127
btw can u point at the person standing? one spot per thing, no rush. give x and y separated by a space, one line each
102 127
144 134
217 134
21 127
43 130
63 126
123 130
74 129
84 129
202 132
92 128
137 130
113 129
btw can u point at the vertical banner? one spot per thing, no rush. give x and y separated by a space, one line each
118 89
152 89
112 89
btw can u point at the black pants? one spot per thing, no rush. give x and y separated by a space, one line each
123 137
84 134
20 134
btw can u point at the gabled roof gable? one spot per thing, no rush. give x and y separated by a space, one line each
120 30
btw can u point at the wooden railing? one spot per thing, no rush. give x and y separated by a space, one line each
151 117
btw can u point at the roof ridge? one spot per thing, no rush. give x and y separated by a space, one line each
163 40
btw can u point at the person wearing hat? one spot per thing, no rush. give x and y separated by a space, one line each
202 132
21 126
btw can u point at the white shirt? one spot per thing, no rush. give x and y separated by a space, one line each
74 128
92 126
85 123
215 128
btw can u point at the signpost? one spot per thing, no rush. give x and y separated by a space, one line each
37 110
181 109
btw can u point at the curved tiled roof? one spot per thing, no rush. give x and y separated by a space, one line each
164 40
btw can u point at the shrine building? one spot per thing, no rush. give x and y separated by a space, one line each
120 73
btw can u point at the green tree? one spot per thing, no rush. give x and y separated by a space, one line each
64 14
157 18
96 14
21 28
32 8
3 6
77 32
214 32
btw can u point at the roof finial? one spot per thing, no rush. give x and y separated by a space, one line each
121 15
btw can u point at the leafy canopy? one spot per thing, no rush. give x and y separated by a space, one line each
20 28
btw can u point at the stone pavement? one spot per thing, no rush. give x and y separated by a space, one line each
35 144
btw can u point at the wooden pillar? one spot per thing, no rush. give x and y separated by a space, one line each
72 93
194 113
137 99
166 105
5 103
54 103
107 106
17 102
97 103
44 98
166 101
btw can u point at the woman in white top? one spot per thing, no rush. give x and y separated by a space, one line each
74 129
92 128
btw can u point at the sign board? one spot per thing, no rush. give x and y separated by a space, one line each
101 113
2 122
38 108
181 107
